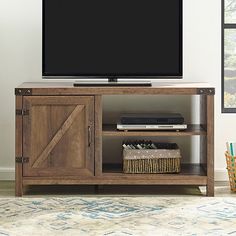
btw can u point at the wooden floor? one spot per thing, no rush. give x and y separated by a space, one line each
7 190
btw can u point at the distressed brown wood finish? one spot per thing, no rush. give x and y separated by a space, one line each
98 135
190 175
210 145
203 139
56 136
68 89
18 148
63 134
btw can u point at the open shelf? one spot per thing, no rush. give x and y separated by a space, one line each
191 174
193 129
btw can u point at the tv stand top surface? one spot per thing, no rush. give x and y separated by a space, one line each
67 88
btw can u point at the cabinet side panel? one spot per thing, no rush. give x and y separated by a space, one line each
18 147
210 145
203 141
98 135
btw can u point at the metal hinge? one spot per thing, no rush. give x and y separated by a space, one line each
22 159
22 112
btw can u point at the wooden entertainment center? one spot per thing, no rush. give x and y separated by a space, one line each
60 130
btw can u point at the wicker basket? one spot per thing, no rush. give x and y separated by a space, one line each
231 167
151 161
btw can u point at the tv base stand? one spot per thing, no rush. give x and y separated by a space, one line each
60 132
113 82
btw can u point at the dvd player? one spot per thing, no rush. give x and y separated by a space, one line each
151 127
155 119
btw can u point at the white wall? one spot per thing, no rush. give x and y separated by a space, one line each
20 60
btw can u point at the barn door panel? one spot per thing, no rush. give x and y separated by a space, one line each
58 136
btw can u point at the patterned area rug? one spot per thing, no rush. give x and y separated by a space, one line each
118 216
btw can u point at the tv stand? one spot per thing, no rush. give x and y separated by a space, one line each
61 136
113 82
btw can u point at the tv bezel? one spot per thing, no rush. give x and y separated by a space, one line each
113 75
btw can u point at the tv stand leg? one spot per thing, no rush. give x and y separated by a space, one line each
210 145
210 190
18 181
18 148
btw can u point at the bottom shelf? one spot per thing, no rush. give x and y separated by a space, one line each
191 174
186 169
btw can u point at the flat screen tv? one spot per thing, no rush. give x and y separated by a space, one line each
112 38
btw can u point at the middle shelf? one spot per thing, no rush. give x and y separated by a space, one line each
193 129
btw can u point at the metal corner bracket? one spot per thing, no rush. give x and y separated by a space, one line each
206 91
23 91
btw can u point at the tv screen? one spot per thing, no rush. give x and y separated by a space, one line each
112 38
